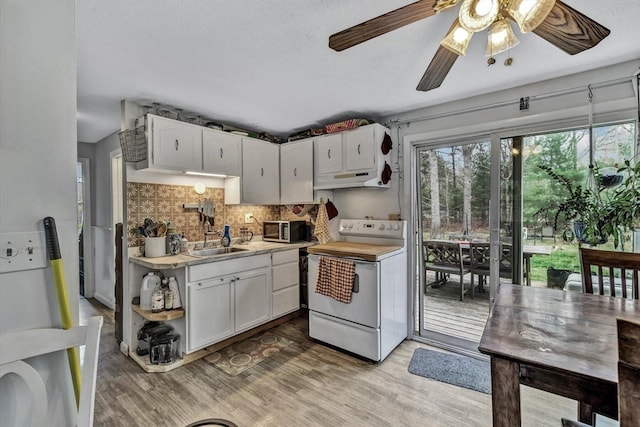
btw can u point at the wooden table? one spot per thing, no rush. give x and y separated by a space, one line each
560 342
527 252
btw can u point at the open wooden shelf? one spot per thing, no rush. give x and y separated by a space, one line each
160 316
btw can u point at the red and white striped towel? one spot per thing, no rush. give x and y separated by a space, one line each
335 278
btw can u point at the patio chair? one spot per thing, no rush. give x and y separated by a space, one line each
445 258
17 352
480 265
628 376
604 266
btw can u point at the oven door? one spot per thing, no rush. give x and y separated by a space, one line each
365 300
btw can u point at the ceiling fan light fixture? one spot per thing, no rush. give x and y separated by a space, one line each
477 15
530 13
457 40
500 37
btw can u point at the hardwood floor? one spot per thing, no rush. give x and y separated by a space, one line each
306 384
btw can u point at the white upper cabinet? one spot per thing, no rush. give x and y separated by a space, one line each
352 158
328 153
174 145
221 152
296 172
260 172
359 148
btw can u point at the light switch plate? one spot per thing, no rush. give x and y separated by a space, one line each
22 251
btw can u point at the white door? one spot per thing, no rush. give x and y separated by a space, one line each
221 152
209 312
296 172
176 145
365 300
252 298
328 154
360 148
260 172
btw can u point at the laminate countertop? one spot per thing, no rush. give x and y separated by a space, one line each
184 260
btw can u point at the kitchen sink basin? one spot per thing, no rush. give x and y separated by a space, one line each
217 251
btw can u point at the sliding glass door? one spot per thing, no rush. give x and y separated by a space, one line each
454 211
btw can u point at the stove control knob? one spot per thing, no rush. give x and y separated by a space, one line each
396 227
389 226
350 226
381 226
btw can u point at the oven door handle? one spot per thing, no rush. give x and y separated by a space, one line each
356 284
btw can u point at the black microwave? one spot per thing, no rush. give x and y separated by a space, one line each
284 231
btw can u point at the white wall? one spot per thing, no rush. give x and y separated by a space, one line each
38 169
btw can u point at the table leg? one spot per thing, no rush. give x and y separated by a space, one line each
527 269
505 392
585 413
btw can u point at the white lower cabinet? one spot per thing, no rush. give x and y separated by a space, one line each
210 312
285 282
252 305
225 298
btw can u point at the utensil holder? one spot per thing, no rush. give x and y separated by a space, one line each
155 246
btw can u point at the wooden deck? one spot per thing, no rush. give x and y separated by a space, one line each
446 314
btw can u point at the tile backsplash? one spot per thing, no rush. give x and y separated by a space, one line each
164 202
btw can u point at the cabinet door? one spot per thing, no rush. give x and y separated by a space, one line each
252 298
260 172
360 148
328 154
221 152
209 312
296 172
175 145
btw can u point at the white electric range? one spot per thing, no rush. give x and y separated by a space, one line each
375 321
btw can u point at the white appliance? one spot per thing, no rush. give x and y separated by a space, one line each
375 321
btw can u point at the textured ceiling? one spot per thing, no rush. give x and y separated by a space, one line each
265 64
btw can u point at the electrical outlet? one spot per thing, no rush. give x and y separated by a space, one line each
248 218
22 251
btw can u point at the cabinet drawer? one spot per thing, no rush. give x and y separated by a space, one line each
283 257
285 275
222 268
286 301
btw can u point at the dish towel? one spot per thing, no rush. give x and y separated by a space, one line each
321 231
335 278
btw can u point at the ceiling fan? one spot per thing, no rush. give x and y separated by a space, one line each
553 20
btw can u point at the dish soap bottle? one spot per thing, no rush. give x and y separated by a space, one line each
226 237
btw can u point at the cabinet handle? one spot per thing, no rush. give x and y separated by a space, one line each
358 148
221 153
177 144
261 171
295 171
329 153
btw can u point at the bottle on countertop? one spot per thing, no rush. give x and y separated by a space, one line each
226 236
175 291
184 245
149 282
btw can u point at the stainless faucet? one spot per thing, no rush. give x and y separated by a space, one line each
208 232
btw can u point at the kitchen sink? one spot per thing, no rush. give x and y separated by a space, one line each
217 251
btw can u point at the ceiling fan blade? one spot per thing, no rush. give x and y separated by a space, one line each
437 70
570 30
382 24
